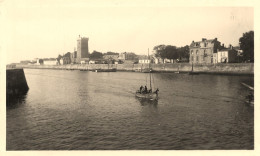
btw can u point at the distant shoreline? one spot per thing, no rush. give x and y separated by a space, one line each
218 69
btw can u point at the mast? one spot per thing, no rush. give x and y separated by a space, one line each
150 70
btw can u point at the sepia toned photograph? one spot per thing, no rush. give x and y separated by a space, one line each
127 75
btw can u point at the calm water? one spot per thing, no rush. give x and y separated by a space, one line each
75 110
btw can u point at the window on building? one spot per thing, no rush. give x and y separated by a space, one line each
197 58
205 44
197 52
204 55
191 52
192 58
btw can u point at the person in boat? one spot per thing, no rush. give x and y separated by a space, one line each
145 89
157 90
141 89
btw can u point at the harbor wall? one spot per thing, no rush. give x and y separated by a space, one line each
227 68
15 82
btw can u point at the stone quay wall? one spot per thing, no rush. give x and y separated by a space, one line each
15 82
227 68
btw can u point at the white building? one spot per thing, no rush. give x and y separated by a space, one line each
168 61
227 56
83 62
92 62
61 61
222 56
50 61
157 60
144 61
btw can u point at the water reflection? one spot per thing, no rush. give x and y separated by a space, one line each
15 100
148 102
85 110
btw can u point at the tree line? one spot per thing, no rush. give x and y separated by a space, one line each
172 52
98 55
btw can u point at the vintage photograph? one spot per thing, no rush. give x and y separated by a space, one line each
128 75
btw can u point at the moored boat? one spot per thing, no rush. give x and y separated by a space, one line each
147 70
105 70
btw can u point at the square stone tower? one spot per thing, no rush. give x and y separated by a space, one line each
82 47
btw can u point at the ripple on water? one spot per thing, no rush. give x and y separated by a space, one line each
98 111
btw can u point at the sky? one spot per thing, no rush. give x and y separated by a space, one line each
45 29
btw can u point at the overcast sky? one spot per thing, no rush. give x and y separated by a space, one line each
44 29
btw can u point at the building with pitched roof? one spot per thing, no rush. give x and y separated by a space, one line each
47 61
204 51
227 55
143 59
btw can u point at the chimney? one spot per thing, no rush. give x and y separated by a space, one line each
204 39
223 45
230 46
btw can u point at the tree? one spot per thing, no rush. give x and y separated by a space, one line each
58 58
67 54
131 56
247 45
171 52
111 53
41 61
96 55
159 50
184 52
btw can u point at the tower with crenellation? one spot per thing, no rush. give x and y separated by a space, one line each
82 47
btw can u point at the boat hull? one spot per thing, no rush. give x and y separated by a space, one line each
145 70
193 73
105 70
151 96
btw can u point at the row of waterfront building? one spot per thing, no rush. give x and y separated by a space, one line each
211 51
201 52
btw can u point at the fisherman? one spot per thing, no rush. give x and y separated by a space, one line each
157 90
145 89
141 89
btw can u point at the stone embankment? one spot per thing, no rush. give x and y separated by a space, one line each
228 68
16 83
